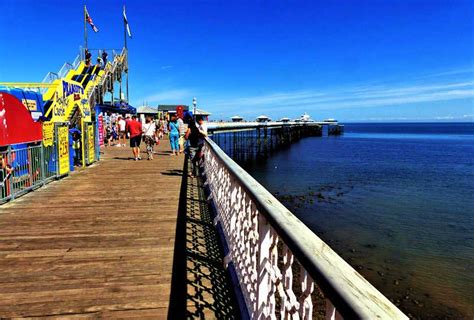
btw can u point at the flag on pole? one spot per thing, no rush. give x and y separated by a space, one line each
89 20
126 23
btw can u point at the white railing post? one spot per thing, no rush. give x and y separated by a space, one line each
264 281
307 287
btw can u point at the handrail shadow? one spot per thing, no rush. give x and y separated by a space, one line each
200 285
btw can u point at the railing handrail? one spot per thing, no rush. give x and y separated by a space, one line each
64 69
47 78
76 61
214 126
352 295
253 125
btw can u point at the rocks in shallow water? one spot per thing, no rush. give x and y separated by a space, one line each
320 195
418 303
370 246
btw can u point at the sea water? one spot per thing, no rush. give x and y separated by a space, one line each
396 201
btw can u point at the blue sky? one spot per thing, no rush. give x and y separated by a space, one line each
380 60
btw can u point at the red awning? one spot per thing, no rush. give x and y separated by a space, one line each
16 124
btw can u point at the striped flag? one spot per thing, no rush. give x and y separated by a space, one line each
89 20
126 23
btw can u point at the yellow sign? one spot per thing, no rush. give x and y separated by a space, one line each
90 142
48 134
63 150
30 104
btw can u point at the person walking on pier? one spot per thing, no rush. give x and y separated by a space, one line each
174 135
160 128
122 124
149 136
192 136
182 132
134 127
202 126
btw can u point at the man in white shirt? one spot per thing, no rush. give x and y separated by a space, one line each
122 131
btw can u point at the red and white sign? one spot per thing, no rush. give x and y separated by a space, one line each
101 130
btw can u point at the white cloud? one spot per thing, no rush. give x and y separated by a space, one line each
459 71
351 97
166 67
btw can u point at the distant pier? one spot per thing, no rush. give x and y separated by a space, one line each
246 141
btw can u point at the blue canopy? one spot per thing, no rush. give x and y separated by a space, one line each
119 107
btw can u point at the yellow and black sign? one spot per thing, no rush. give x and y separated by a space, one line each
63 150
48 134
90 143
68 95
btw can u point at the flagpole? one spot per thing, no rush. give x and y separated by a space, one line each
85 29
126 50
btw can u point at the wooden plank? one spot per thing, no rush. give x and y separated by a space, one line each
98 243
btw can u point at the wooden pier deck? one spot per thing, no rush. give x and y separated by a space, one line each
101 244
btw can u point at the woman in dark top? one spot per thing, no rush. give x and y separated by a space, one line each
192 136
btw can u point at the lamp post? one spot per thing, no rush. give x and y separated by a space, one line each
194 109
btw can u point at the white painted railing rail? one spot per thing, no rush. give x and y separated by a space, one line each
278 260
222 126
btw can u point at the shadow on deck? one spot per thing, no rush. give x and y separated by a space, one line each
201 287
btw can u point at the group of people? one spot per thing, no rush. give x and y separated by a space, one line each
115 130
101 59
186 135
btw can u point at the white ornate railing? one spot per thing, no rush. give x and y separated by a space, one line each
284 270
